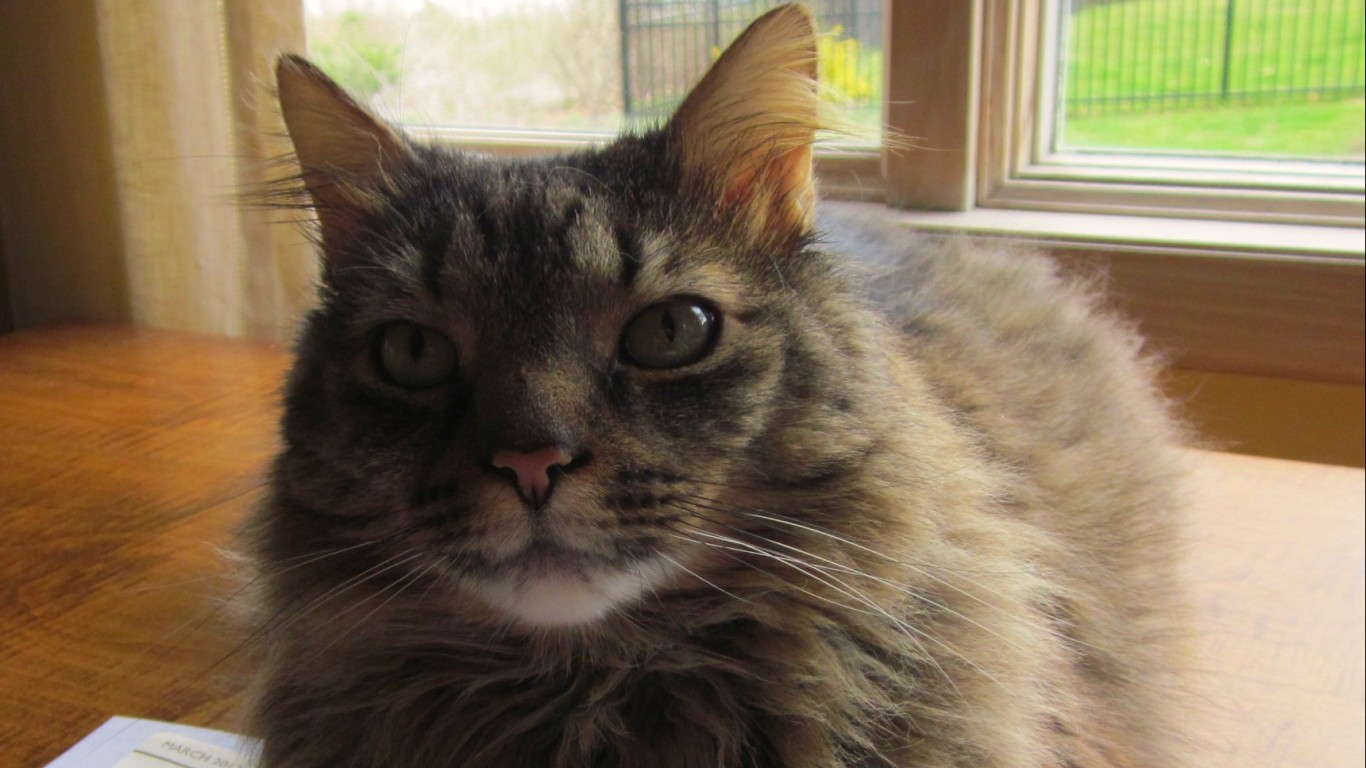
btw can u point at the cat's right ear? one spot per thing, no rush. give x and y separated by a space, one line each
346 155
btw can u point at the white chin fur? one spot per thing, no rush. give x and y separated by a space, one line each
564 598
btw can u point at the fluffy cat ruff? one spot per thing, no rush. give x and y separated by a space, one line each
916 520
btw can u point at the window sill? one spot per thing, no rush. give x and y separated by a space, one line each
1347 244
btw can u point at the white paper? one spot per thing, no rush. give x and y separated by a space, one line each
179 751
126 742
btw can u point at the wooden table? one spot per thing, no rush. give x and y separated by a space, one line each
127 457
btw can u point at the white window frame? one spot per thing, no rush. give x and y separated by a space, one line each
968 81
1021 169
1227 267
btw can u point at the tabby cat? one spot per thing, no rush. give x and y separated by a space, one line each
620 459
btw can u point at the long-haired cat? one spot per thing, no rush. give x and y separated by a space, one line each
612 460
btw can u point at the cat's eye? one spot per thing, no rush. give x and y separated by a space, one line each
670 334
414 357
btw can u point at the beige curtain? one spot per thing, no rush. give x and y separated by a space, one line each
122 172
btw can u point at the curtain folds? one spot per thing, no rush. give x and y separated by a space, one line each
195 126
121 196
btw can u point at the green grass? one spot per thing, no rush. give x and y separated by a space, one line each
1176 49
1331 130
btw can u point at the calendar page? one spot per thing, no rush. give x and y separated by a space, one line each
126 742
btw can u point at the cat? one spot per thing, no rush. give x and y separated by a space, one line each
633 458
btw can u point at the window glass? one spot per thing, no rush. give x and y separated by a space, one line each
1231 78
565 65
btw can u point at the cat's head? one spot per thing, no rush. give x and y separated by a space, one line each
558 385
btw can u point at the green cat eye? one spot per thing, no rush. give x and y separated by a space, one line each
414 357
670 334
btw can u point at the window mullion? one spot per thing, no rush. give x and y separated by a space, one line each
931 53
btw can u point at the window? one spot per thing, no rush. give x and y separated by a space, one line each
1108 106
1055 67
475 64
552 72
1267 79
1230 277
1007 144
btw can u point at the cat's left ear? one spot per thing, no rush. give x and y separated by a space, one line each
744 134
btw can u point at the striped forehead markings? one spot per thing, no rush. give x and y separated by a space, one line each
628 250
536 230
591 239
526 225
434 256
488 231
569 218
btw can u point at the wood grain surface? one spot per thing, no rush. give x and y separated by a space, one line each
128 457
1276 568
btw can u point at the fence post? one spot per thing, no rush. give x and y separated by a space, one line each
713 29
624 35
1228 49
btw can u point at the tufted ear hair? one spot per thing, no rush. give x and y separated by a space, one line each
744 134
347 157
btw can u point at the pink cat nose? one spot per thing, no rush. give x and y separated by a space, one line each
534 471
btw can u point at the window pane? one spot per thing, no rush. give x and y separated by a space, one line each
534 63
1266 78
568 65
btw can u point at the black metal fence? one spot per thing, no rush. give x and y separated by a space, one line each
667 44
1118 55
1149 55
